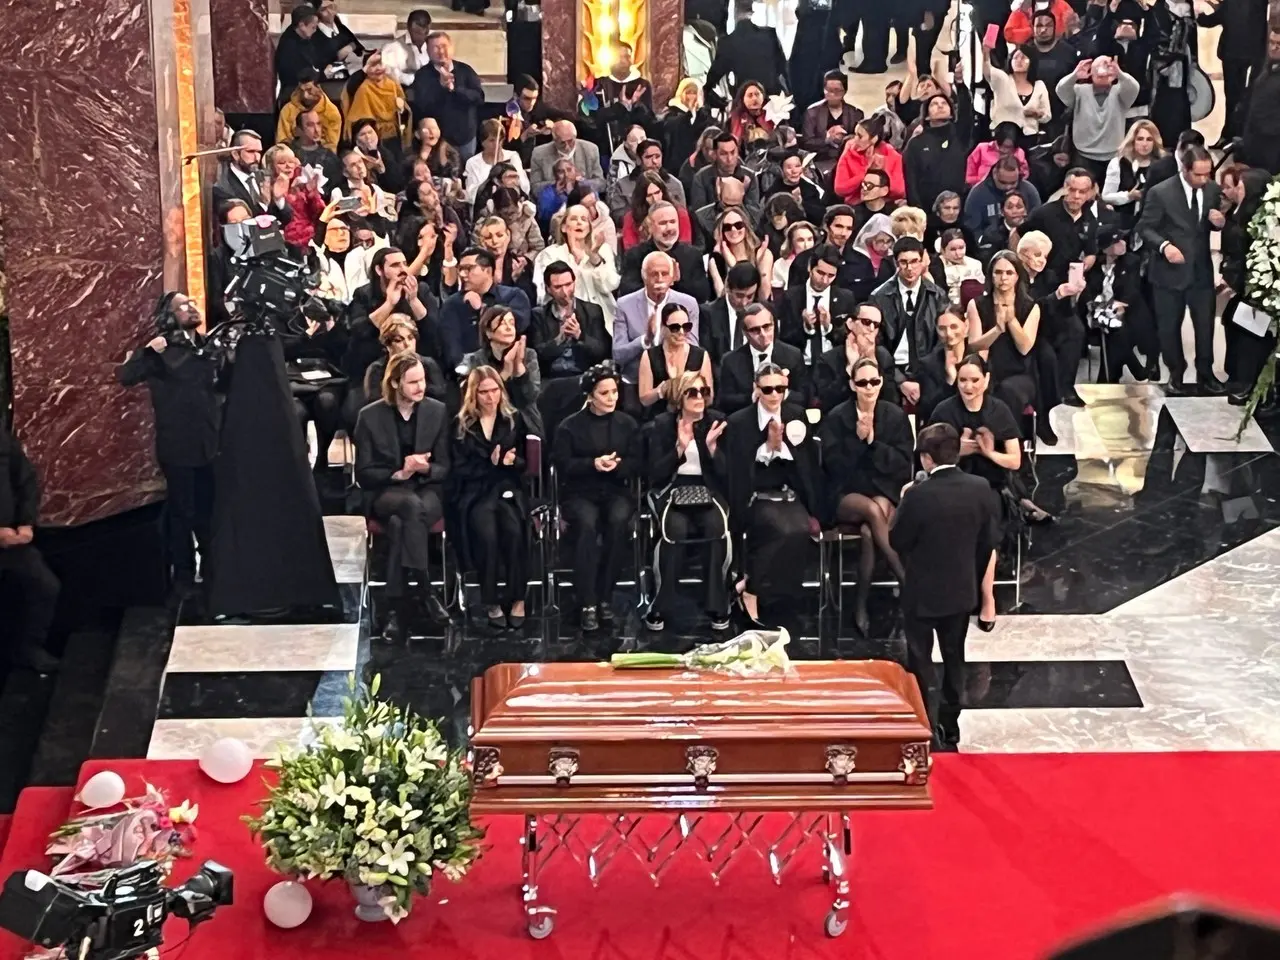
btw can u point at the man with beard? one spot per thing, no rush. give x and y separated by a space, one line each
311 152
664 236
309 97
241 178
985 203
626 99
1052 58
649 155
727 163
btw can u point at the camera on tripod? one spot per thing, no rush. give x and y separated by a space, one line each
121 921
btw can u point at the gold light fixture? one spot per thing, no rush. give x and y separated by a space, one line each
604 22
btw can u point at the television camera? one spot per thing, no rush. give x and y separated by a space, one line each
121 921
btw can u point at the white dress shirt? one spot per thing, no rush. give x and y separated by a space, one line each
403 60
812 300
902 353
1193 193
763 453
691 466
756 361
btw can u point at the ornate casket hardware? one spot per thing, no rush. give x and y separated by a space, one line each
915 764
485 768
701 762
841 762
562 764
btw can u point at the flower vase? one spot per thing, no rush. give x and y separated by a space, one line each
368 908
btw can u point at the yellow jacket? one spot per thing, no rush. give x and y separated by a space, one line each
330 121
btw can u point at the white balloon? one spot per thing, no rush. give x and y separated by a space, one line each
103 789
227 760
287 904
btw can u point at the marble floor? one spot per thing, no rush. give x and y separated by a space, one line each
1146 619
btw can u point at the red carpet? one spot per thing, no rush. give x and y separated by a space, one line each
1020 853
5 820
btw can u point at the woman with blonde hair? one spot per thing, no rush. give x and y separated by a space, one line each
303 198
909 222
592 262
1127 175
735 241
488 496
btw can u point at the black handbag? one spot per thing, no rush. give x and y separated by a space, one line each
690 495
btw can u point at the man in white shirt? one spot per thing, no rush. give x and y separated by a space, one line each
910 304
404 57
737 373
241 178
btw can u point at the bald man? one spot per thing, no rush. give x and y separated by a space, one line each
565 145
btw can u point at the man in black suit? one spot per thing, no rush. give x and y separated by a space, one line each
241 178
736 379
391 289
815 310
1176 218
910 305
664 235
942 531
20 561
570 338
181 379
721 320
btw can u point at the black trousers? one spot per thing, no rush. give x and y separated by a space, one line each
1235 83
409 513
38 588
499 549
188 512
1067 337
324 406
1170 307
601 526
778 541
1017 392
943 704
1117 353
1246 353
685 523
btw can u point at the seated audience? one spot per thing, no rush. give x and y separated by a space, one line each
989 448
521 219
491 153
799 237
688 477
813 306
460 313
1003 143
772 462
683 124
726 164
954 266
867 456
308 97
937 372
512 268
402 462
399 334
570 337
377 207
379 98
596 453
603 228
1003 325
870 259
747 120
721 319
528 125
909 306
308 146
672 355
793 184
733 241
240 178
591 261
663 227
649 157
831 372
487 496
391 290
780 211
985 203
944 216
429 251
565 145
552 197
442 157
830 121
303 199
875 199
999 235
652 190
635 324
760 346
422 199
864 151
703 155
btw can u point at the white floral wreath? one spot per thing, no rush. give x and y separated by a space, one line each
1262 283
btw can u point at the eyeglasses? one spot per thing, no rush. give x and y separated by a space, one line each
692 393
868 382
910 261
868 322
769 391
686 327
735 226
763 328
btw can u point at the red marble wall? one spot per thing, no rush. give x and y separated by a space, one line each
244 78
80 228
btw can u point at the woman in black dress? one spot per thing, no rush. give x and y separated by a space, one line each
938 367
671 355
487 495
989 448
595 455
867 452
1003 324
690 498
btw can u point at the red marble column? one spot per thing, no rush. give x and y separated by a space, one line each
80 225
244 79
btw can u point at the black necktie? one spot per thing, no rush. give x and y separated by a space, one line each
911 302
737 331
1195 208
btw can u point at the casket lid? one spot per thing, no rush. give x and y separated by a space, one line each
594 701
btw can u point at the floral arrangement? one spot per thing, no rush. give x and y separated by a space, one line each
751 653
377 798
1262 286
91 848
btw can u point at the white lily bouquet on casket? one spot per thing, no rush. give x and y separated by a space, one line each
751 653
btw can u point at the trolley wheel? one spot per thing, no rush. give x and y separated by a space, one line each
835 924
541 928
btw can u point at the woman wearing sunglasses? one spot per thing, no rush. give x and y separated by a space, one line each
867 452
989 448
690 498
774 483
735 241
831 372
671 355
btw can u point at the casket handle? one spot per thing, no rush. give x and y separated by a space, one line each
701 762
916 764
841 761
485 766
562 764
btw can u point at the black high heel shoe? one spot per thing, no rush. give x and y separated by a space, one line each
986 626
752 622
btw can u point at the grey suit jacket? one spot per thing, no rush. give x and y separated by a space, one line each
585 156
1166 219
631 325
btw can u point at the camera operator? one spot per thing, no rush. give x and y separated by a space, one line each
219 269
20 561
181 378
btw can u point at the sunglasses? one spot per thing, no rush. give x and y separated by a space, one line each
692 393
686 327
868 322
763 328
868 382
769 391
735 226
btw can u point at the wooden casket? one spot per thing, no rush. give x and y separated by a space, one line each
585 737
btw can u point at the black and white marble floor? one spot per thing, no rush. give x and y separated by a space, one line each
1149 616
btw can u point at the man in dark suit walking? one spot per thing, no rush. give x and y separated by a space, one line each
943 533
1176 218
737 377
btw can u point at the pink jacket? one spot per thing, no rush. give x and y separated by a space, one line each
984 157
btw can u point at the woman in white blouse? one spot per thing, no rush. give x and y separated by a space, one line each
1015 97
1127 172
491 152
592 262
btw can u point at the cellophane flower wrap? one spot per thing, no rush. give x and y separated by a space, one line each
752 653
378 799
